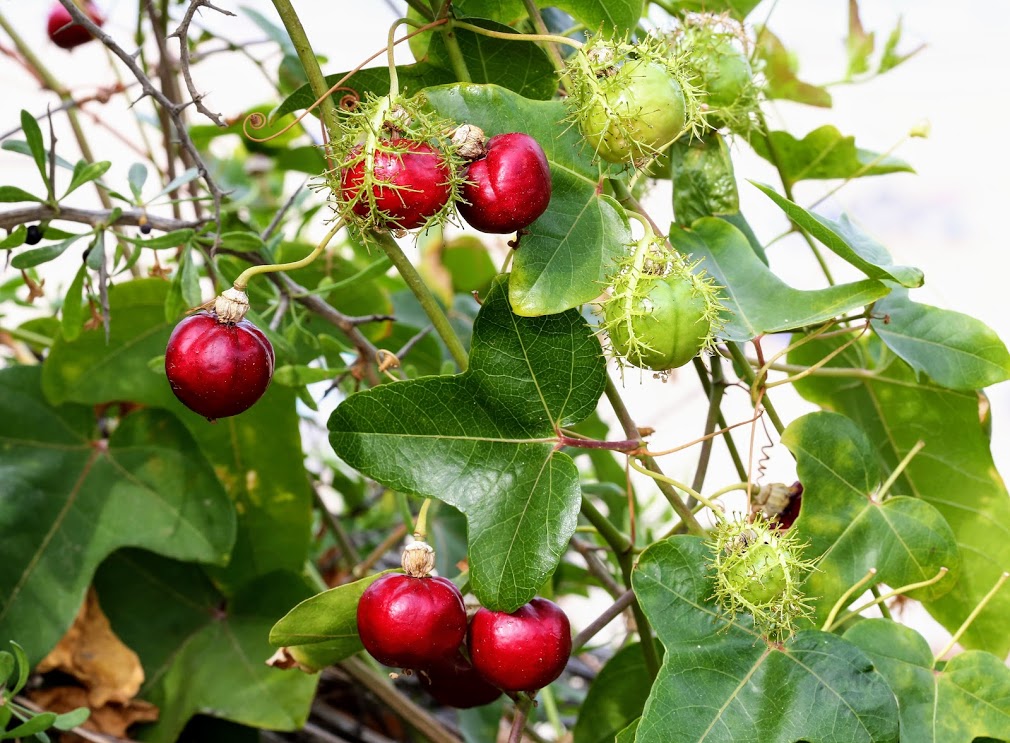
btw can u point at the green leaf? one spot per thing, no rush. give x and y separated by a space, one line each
190 174
24 668
38 723
757 300
69 499
242 241
327 622
954 472
845 525
565 258
6 667
955 350
23 148
38 256
73 718
616 697
848 242
967 699
203 653
823 153
628 734
299 376
184 291
739 9
73 306
703 181
859 44
174 239
95 258
11 194
137 177
722 682
85 172
780 68
15 239
33 136
257 455
485 442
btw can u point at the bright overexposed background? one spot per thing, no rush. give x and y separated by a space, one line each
948 219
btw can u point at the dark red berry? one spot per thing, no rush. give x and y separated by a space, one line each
456 683
64 32
507 188
408 622
521 651
411 184
218 369
33 235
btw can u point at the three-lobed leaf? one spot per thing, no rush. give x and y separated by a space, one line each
721 682
485 441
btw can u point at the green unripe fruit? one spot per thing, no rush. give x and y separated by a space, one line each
725 74
663 326
639 110
759 576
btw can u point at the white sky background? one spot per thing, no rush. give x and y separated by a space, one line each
949 219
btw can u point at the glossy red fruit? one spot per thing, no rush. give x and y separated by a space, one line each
64 32
411 184
521 651
456 683
408 622
218 369
507 188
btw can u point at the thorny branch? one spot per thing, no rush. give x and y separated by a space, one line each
93 217
173 110
182 34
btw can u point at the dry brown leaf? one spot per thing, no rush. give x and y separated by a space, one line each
91 652
111 719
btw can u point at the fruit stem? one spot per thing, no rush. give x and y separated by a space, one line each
749 376
971 617
523 707
394 80
552 50
905 461
426 299
679 485
844 599
421 526
243 278
889 595
517 37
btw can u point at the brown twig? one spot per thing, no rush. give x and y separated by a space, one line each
182 33
93 217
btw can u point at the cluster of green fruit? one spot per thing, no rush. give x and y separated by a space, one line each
418 622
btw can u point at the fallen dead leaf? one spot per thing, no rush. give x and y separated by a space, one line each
111 719
91 652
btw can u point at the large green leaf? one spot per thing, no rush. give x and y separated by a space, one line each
614 16
823 153
954 472
845 525
69 497
780 71
616 697
966 699
721 682
328 622
736 8
756 299
848 242
565 259
202 654
485 442
955 350
257 455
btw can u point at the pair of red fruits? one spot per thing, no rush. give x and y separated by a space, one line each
420 623
64 32
507 184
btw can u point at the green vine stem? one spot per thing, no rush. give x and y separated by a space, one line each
552 50
610 533
749 376
517 37
844 599
889 595
243 278
971 617
427 300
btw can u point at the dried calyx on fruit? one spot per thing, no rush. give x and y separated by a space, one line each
662 310
397 170
64 32
716 55
218 363
631 100
780 503
414 620
507 181
759 571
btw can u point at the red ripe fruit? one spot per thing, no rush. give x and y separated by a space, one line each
64 32
521 651
218 369
507 188
456 683
409 622
411 184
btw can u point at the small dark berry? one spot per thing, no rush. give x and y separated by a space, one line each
33 235
145 228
